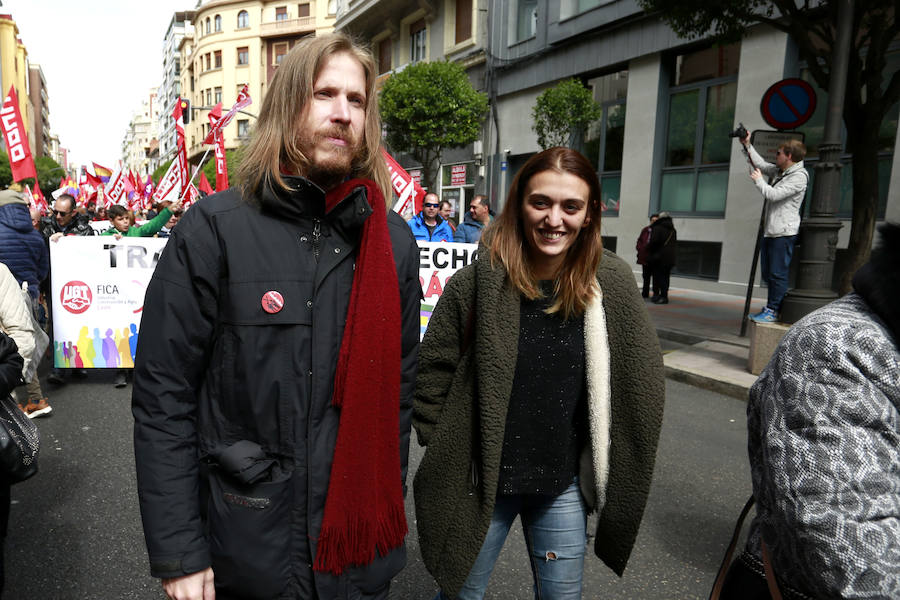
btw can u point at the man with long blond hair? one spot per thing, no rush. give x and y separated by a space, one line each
280 353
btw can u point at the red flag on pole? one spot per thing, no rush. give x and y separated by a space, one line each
204 184
181 153
39 198
409 192
221 164
243 101
20 159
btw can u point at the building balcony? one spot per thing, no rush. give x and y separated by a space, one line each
287 27
368 17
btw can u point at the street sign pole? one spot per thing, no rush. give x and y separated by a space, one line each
820 230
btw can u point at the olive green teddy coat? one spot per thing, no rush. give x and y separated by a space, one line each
456 483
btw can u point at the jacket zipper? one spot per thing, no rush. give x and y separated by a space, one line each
316 234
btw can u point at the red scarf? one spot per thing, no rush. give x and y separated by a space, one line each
364 507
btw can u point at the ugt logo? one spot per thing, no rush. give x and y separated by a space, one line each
76 297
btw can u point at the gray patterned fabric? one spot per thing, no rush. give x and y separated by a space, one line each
824 444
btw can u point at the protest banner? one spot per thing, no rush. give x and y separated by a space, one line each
97 298
437 262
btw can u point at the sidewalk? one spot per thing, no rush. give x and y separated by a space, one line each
709 324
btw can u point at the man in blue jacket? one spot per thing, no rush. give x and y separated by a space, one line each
478 217
428 225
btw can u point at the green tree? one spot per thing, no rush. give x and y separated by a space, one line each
562 111
48 173
429 107
871 92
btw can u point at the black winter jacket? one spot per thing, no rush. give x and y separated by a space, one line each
662 246
213 369
79 225
11 363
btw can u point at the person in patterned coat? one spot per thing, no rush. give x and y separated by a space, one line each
824 444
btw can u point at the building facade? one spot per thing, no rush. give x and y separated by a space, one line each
40 102
14 73
170 89
140 137
668 106
237 43
403 32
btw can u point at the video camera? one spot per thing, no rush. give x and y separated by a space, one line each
740 132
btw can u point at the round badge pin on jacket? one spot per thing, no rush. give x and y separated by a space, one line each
272 302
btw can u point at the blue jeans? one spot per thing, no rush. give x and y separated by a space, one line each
554 529
775 261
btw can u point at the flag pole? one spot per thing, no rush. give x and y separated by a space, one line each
196 170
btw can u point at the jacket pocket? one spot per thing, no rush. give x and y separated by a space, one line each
249 535
374 576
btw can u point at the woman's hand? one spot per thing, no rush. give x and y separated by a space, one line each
195 586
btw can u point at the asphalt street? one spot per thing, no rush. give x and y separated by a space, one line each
75 528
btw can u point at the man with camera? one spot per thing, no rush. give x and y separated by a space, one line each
783 190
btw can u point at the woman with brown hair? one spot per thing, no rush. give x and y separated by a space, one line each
539 394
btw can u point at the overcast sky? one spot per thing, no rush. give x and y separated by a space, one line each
100 59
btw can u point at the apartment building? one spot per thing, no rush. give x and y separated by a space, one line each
170 89
403 32
140 138
238 42
40 102
662 142
14 72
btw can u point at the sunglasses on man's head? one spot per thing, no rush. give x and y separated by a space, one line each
431 205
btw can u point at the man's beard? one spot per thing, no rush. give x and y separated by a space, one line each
338 161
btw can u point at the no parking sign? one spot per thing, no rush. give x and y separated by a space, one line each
788 104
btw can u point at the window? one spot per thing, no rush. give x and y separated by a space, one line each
384 55
208 61
243 19
525 19
209 97
463 20
207 26
177 66
243 128
218 23
458 187
281 13
217 62
698 260
178 88
417 35
604 139
217 95
700 116
243 56
571 8
303 10
815 132
278 52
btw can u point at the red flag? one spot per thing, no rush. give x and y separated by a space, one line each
221 164
116 190
20 159
243 101
409 192
39 197
93 180
204 184
168 183
181 153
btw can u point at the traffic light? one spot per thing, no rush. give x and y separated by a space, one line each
186 110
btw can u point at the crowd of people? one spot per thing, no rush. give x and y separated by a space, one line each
273 413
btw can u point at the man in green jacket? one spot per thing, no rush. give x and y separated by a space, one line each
121 222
